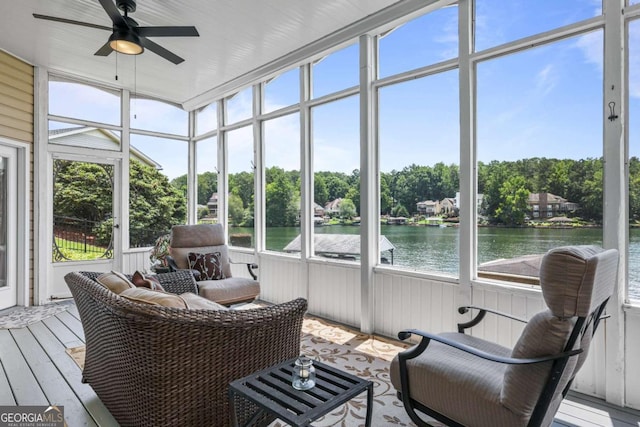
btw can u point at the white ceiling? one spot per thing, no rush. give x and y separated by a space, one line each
236 37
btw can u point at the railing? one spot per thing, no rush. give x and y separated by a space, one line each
81 239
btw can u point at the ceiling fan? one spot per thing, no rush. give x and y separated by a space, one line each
126 36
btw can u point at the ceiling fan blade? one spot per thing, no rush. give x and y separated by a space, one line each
110 7
105 50
167 31
71 21
159 50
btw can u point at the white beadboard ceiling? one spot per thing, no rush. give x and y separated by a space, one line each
236 38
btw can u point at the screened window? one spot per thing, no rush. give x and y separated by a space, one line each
158 116
157 187
431 38
539 142
282 180
498 22
336 167
282 91
634 160
84 102
419 180
207 119
335 72
207 169
241 187
239 106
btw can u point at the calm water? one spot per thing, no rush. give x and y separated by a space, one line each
436 249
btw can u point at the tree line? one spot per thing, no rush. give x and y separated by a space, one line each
505 186
83 190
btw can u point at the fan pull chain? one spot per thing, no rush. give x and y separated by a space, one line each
135 86
116 65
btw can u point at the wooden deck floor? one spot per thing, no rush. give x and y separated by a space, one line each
36 370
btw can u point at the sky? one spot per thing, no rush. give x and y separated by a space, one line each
542 102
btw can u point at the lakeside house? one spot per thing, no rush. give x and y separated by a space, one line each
547 205
332 208
428 208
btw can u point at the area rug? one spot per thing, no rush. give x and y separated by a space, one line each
19 317
366 356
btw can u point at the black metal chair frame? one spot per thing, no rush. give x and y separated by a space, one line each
559 362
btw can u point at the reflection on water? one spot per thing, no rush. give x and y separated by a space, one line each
436 248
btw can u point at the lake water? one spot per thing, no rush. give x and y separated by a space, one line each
436 249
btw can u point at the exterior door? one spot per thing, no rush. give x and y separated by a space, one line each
8 226
85 230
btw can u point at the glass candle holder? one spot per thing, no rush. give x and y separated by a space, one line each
304 374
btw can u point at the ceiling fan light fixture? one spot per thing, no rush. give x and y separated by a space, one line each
125 42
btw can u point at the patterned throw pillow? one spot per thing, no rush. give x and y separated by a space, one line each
142 281
208 265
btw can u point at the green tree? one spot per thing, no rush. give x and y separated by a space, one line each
281 202
83 190
320 191
236 209
347 209
512 207
207 185
399 210
154 204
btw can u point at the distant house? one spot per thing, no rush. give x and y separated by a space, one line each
479 202
448 206
333 207
212 205
547 205
91 137
428 208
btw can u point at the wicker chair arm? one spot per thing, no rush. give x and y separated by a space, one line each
427 337
174 267
481 314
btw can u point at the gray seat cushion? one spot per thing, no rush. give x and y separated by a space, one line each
230 290
474 397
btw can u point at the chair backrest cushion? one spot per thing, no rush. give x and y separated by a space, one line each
543 335
577 279
200 238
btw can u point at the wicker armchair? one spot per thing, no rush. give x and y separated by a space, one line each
153 365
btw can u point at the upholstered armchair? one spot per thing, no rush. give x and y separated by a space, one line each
206 244
463 380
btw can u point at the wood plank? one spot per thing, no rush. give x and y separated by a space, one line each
51 380
6 396
73 310
72 323
64 334
597 409
72 374
24 385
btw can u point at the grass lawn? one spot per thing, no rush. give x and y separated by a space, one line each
79 252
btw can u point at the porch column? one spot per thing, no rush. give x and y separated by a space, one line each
369 210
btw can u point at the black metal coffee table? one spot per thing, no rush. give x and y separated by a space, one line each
271 390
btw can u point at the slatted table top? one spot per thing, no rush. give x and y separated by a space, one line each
271 390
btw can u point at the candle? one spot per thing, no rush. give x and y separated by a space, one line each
304 373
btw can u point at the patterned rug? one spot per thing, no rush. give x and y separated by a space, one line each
366 356
19 317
